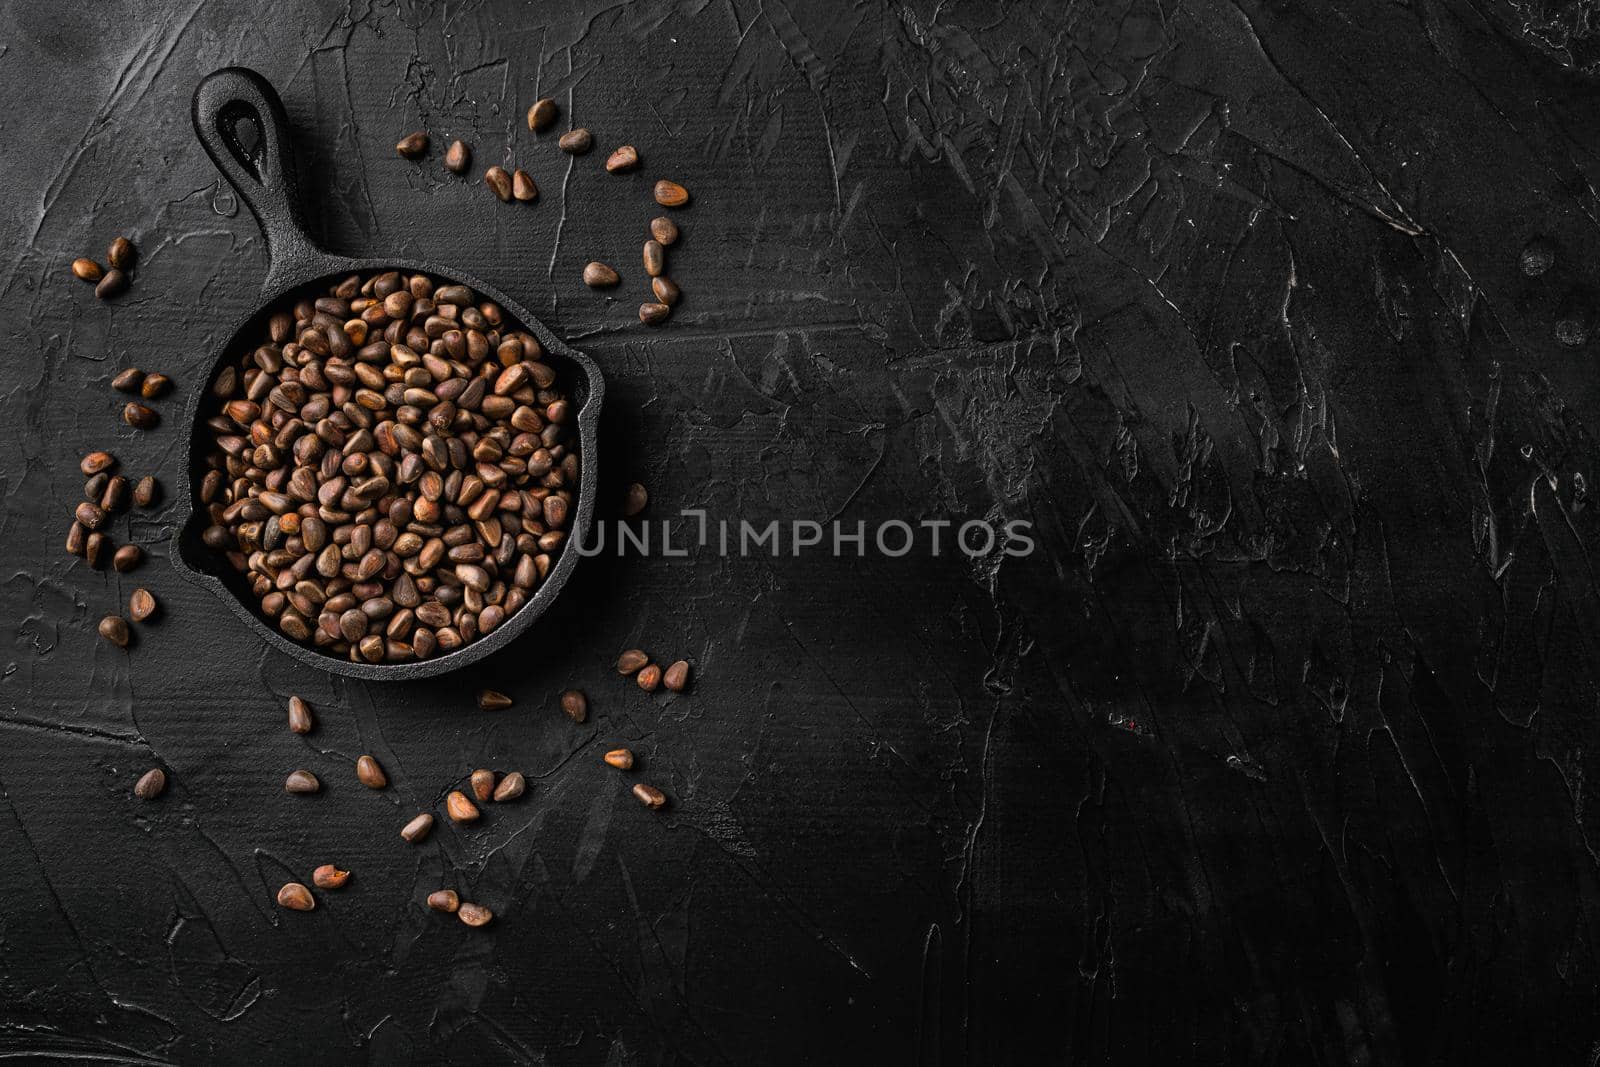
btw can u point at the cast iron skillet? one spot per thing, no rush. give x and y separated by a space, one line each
263 176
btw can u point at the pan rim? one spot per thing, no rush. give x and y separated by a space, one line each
323 267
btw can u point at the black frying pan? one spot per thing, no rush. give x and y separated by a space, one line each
263 176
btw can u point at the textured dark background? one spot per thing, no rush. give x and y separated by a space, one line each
1275 751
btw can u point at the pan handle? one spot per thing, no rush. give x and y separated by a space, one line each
258 163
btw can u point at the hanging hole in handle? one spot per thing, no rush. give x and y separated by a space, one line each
240 129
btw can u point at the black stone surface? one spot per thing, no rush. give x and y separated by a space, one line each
1277 749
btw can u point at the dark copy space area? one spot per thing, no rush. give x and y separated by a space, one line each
1272 323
